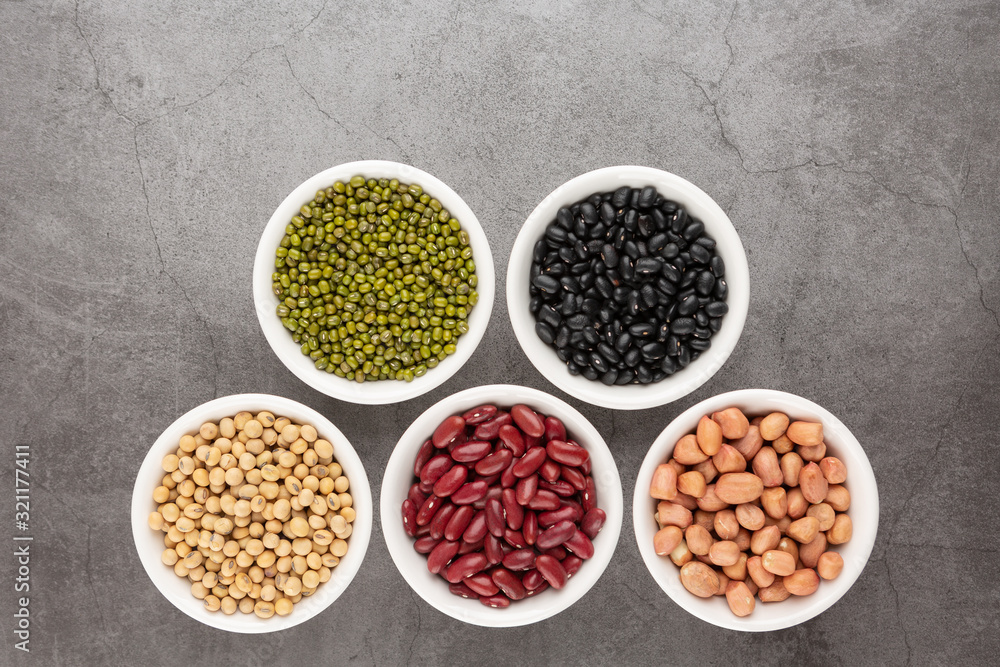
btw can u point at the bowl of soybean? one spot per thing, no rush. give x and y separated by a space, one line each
716 226
384 300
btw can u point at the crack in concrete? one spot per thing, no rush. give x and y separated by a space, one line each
902 626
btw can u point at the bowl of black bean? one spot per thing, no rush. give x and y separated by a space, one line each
628 287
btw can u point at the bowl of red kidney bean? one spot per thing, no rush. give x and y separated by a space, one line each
501 505
628 287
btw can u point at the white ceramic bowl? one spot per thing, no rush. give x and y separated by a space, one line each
149 543
717 225
863 512
433 588
280 340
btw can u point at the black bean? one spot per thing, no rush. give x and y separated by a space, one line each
591 337
657 243
715 324
589 373
595 199
580 228
649 296
631 221
632 357
620 237
643 374
549 315
688 279
556 235
554 270
659 219
603 287
668 207
625 377
642 330
633 304
566 254
693 230
688 306
699 254
568 305
621 294
647 267
545 332
701 332
642 248
573 368
579 321
705 283
634 198
647 196
564 218
622 342
570 284
701 318
654 351
535 303
646 225
678 221
609 377
626 269
668 365
589 213
609 255
631 249
621 196
581 358
699 344
605 314
682 326
673 344
538 252
671 272
598 362
721 290
718 266
607 213
663 333
665 286
591 307
577 340
706 241
683 356
579 269
564 353
562 337
546 283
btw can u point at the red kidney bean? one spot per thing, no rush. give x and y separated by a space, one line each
574 477
526 489
428 510
494 492
488 430
416 495
451 481
532 579
559 487
512 439
592 522
580 545
493 549
507 478
424 455
513 511
423 530
495 463
514 538
495 521
530 441
471 451
491 479
556 535
509 583
530 462
479 414
496 601
554 429
551 570
544 500
410 517
558 552
585 467
441 555
463 591
470 493
571 564
589 495
566 453
441 519
458 522
549 471
464 566
528 420
482 584
425 544
448 431
530 527
564 513
434 468
541 587
520 559
477 528
426 489
469 547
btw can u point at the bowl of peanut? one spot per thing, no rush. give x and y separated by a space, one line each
756 510
251 513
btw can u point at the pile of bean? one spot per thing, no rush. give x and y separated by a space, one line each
764 533
627 287
375 280
256 513
504 505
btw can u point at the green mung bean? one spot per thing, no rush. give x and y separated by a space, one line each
375 280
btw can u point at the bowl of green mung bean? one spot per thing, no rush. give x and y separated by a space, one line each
373 282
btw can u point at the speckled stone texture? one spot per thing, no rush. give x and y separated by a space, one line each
854 145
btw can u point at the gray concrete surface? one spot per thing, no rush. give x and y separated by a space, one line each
854 145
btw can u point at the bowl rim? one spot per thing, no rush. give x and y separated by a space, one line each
382 392
861 481
142 504
629 397
431 588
